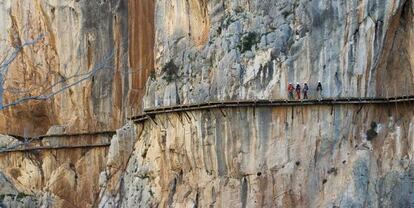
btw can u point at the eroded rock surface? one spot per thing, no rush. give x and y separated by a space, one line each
8 142
107 42
254 48
10 197
282 157
208 50
51 178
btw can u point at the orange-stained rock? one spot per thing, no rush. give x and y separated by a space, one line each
78 35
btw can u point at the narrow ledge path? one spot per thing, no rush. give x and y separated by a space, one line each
50 147
149 113
89 140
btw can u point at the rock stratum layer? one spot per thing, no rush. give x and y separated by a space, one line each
202 51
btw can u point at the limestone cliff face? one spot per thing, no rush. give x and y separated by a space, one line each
322 156
74 38
51 178
254 48
207 50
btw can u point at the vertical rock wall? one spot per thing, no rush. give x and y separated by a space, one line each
141 55
395 72
53 178
75 38
254 48
315 156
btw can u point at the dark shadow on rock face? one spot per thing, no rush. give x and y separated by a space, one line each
394 71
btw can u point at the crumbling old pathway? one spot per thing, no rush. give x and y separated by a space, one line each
36 144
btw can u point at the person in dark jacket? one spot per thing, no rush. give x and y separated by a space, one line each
298 90
290 91
305 90
319 90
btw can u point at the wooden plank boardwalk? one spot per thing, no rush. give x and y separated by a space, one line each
150 112
39 143
50 147
268 103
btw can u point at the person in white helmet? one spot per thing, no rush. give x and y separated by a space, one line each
298 90
319 90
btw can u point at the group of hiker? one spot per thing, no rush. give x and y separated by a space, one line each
298 89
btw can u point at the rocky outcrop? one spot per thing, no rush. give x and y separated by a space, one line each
119 155
8 142
109 43
52 178
315 156
10 196
255 48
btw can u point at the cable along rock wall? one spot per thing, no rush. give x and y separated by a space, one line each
106 46
72 38
254 48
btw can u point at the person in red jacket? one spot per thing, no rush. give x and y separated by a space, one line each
298 90
290 91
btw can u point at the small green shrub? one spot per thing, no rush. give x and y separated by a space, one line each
248 41
170 71
152 75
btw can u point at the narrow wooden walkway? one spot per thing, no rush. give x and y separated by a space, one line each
65 135
35 143
27 149
105 133
150 112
